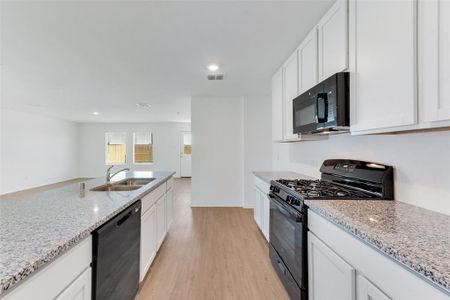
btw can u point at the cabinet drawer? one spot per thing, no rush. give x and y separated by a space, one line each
262 185
152 197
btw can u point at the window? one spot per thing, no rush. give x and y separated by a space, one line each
115 148
143 147
187 143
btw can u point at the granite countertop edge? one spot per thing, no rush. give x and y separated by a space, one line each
7 283
424 272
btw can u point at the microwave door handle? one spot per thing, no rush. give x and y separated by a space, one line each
322 97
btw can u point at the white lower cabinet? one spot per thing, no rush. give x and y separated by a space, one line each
161 220
66 278
343 267
169 208
265 214
148 240
261 211
330 277
80 289
157 216
367 291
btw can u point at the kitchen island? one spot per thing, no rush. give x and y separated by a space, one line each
37 229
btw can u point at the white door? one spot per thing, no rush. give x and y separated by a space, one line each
80 289
333 40
290 84
185 154
434 60
277 106
148 240
384 81
330 277
367 291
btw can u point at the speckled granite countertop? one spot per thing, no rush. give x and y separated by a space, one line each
416 238
36 229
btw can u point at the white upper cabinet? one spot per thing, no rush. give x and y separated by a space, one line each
290 72
383 78
277 106
307 60
434 60
333 40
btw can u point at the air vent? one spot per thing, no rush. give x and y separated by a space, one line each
215 77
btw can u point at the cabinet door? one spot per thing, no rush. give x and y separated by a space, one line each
307 61
367 291
277 106
290 72
384 79
265 214
434 60
148 240
80 289
169 208
330 277
333 40
257 210
161 220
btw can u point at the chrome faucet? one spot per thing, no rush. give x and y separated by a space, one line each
109 175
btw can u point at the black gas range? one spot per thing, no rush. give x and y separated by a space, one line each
340 179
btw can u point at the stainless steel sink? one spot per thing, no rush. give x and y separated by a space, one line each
136 181
115 188
129 184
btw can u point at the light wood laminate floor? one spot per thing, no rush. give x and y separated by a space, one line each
211 253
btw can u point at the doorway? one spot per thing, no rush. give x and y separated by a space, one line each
185 153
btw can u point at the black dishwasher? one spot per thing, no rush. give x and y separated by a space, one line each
116 255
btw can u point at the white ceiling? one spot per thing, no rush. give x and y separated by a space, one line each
71 58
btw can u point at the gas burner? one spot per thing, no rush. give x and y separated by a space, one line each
316 189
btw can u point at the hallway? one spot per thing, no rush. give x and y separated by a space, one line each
211 253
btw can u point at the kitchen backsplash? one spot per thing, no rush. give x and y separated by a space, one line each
421 162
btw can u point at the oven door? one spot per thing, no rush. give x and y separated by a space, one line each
305 112
288 230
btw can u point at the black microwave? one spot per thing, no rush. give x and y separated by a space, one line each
325 107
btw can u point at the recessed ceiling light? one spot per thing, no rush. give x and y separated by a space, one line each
143 105
95 113
213 67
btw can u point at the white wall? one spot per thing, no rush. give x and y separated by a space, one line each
421 162
257 142
36 150
217 151
166 146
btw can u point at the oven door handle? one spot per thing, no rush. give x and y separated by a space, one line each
297 217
